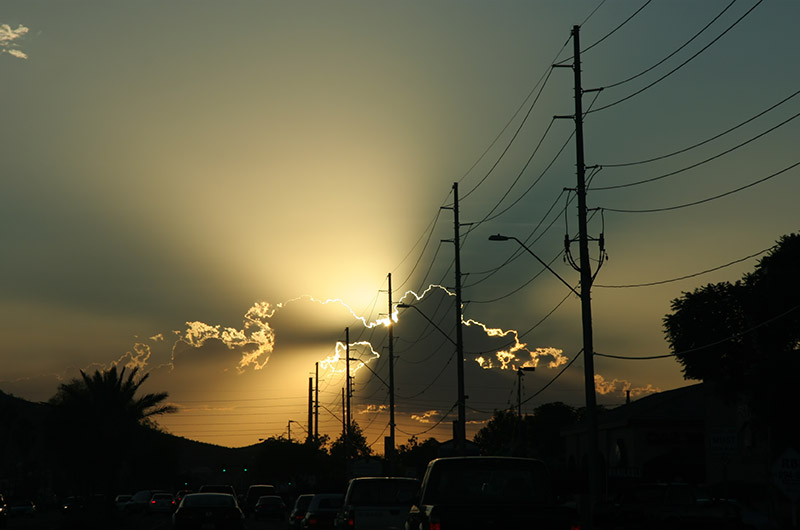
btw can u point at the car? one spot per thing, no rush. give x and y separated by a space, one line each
22 507
373 503
299 510
219 488
3 512
161 503
206 511
322 510
180 494
270 507
254 492
121 501
140 500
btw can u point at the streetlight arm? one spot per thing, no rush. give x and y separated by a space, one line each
409 306
499 237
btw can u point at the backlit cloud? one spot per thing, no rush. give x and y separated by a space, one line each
425 417
620 386
8 36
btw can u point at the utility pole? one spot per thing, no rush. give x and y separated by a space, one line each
586 292
520 372
391 444
348 392
316 401
310 408
347 411
460 434
289 428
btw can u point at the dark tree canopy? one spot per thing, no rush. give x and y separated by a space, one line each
358 446
745 337
721 331
99 418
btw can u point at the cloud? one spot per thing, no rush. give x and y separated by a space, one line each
255 341
620 386
7 37
425 417
374 409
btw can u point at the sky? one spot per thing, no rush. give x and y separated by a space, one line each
217 193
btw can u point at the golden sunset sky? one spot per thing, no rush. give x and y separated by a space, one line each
214 191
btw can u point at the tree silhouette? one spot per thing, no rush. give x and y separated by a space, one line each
111 397
744 337
358 447
97 428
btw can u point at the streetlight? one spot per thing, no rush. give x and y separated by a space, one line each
588 356
499 237
432 323
520 372
462 413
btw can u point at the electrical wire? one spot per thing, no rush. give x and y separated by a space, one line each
554 379
708 199
662 61
692 166
444 417
680 65
661 282
546 77
617 28
706 346
638 162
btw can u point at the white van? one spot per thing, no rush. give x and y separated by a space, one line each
373 503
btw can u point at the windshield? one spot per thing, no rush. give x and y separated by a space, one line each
382 492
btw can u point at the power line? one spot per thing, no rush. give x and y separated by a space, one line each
649 284
692 166
607 35
553 380
618 83
680 65
706 346
704 141
709 199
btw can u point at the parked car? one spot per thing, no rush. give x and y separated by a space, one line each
270 507
322 511
377 503
299 510
201 511
254 492
161 503
22 507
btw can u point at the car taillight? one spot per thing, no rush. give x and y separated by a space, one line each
152 502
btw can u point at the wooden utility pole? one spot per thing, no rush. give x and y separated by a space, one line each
316 401
586 289
310 408
460 432
391 444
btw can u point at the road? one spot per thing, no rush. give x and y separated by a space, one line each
56 521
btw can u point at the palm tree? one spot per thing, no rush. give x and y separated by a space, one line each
112 396
98 427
